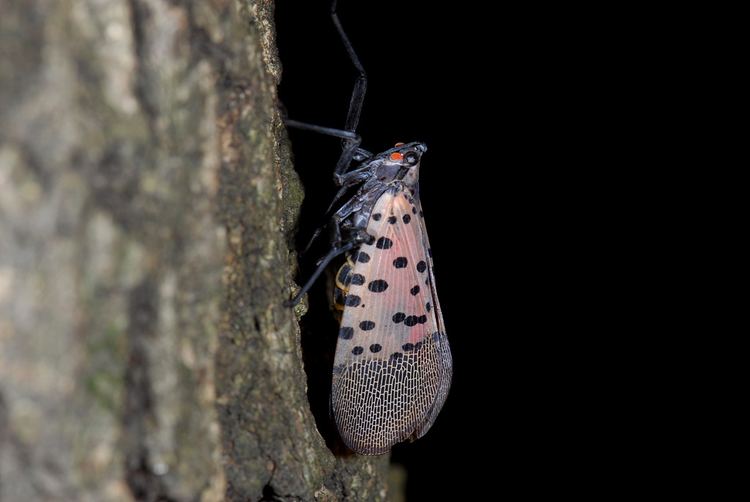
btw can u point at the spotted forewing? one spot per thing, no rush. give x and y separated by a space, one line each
393 365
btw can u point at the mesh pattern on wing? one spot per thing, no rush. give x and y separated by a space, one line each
378 403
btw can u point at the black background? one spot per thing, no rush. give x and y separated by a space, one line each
528 126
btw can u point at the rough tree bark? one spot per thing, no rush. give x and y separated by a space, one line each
147 202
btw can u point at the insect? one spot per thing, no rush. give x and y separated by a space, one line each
393 366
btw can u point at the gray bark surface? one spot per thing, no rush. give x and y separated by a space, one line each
147 204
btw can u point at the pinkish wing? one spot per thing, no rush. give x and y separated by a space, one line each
393 365
442 340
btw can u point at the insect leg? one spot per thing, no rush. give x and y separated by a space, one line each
360 86
345 181
345 160
356 234
357 99
350 150
360 154
349 179
333 253
328 131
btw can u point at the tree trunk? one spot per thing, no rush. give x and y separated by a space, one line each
147 204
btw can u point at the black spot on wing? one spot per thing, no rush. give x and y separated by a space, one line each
407 347
352 300
376 216
428 306
357 350
374 348
392 220
412 320
398 317
344 274
407 218
384 243
366 325
362 257
414 291
421 266
400 262
377 286
346 332
357 279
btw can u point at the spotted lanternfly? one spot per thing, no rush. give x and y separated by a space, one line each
393 367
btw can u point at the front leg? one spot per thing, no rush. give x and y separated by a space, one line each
356 237
351 147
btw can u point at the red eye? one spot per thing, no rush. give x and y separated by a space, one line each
396 156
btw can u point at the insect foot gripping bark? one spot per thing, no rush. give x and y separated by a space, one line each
393 367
